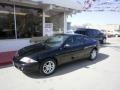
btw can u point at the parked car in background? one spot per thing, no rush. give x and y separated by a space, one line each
56 50
104 31
92 33
70 31
110 34
117 33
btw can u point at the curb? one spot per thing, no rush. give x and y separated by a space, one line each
6 57
5 63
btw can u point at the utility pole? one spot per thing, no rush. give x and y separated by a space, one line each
15 19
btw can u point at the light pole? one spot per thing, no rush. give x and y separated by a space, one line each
15 19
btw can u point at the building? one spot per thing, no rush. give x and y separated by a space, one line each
107 27
22 19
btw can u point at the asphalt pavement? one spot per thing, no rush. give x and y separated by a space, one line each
101 74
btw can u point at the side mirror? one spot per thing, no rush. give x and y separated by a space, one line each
66 46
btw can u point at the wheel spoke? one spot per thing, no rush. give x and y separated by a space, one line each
93 54
48 67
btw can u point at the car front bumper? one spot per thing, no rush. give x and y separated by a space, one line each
26 67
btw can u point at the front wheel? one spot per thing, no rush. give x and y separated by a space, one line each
93 54
48 66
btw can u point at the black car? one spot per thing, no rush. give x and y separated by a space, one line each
92 33
56 50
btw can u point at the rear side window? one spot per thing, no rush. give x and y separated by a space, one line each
81 32
88 32
87 40
93 33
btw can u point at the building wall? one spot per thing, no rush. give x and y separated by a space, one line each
13 44
59 22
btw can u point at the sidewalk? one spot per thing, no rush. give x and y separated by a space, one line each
6 57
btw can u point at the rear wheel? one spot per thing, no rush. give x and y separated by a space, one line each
93 54
48 66
103 41
116 35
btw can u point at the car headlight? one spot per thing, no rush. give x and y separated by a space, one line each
27 60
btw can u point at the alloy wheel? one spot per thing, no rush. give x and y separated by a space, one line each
93 54
48 67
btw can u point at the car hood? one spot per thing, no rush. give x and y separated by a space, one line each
32 49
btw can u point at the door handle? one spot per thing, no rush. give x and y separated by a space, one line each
86 47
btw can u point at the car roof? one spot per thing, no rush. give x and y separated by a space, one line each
72 34
84 29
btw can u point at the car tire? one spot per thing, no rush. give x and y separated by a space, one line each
116 35
103 41
47 67
93 54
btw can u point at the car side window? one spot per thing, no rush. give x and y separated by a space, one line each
87 40
75 41
78 40
93 33
70 41
81 32
97 32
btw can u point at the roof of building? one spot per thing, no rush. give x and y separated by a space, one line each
72 4
64 5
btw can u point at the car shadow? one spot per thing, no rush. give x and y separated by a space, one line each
69 67
105 45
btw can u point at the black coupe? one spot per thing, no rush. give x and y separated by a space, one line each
56 50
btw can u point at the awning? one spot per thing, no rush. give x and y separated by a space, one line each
55 5
71 4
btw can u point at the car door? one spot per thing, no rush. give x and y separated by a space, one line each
88 46
79 47
73 50
66 52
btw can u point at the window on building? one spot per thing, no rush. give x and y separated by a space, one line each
28 22
6 22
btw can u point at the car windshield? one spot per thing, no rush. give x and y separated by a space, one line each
55 41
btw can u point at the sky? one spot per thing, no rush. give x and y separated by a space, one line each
105 17
99 17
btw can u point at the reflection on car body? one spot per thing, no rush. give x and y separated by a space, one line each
56 50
